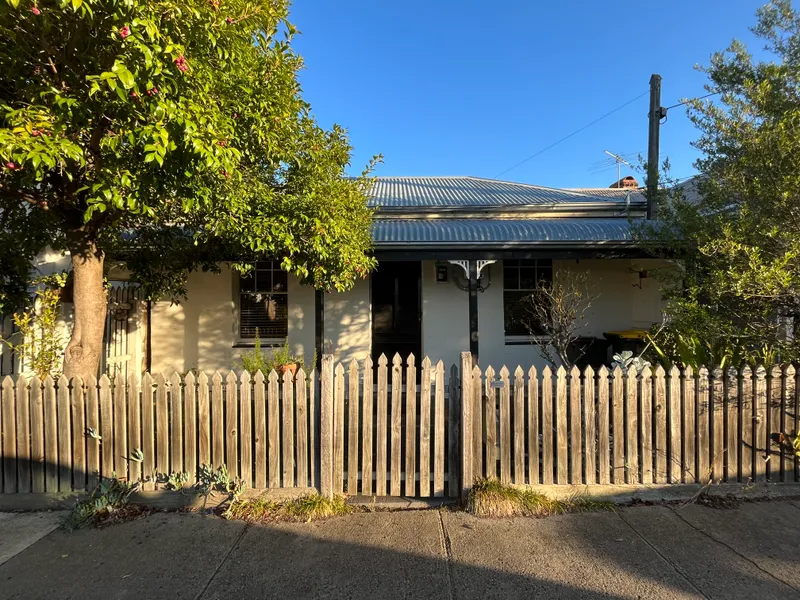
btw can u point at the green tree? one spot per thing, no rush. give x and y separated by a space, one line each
738 232
170 134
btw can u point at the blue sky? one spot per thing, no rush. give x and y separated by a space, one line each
445 87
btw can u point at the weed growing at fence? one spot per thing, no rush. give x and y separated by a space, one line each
110 496
490 498
308 508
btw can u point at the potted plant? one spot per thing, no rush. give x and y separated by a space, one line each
281 360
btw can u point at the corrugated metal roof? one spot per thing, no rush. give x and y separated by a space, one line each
637 195
500 232
398 192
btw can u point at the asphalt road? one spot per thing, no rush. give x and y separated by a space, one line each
640 552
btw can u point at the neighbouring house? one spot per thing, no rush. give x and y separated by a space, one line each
455 256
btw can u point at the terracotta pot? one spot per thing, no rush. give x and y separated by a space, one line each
291 368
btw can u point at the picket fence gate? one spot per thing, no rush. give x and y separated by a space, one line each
403 430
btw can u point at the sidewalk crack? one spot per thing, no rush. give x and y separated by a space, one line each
447 549
663 557
223 561
734 550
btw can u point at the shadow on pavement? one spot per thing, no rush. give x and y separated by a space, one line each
420 554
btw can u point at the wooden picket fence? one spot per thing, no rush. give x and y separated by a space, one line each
629 428
61 436
403 429
383 434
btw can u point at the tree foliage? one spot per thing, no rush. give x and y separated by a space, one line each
171 135
736 228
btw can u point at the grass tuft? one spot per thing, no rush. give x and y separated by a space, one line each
308 508
490 498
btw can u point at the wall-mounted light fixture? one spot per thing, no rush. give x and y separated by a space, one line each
642 275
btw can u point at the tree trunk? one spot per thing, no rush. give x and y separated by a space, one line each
82 355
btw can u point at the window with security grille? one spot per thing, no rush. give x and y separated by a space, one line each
520 280
264 302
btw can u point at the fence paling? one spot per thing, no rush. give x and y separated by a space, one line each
673 411
411 437
352 428
439 442
603 428
533 427
425 430
519 426
590 425
367 446
646 426
664 428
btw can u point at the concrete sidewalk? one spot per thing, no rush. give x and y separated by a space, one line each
639 552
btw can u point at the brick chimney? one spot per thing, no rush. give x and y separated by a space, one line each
626 182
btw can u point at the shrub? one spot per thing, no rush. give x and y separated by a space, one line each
39 344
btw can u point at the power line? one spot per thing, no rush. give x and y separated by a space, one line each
693 99
577 131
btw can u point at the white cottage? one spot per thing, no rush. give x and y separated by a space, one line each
455 256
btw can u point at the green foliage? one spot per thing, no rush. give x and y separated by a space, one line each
796 443
173 481
172 134
697 336
109 495
626 359
255 359
738 236
209 480
37 340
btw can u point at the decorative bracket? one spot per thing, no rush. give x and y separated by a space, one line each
484 263
464 264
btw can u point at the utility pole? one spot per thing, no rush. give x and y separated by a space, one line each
657 113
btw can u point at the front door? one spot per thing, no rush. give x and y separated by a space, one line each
397 310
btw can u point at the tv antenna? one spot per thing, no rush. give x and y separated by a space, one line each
619 160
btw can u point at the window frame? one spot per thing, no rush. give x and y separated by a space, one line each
270 266
538 264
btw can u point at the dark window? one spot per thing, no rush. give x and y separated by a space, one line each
520 280
264 302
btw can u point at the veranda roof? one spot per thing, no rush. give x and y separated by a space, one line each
501 233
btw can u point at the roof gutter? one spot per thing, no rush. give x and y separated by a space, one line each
566 245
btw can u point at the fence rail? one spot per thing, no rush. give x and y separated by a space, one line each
403 430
